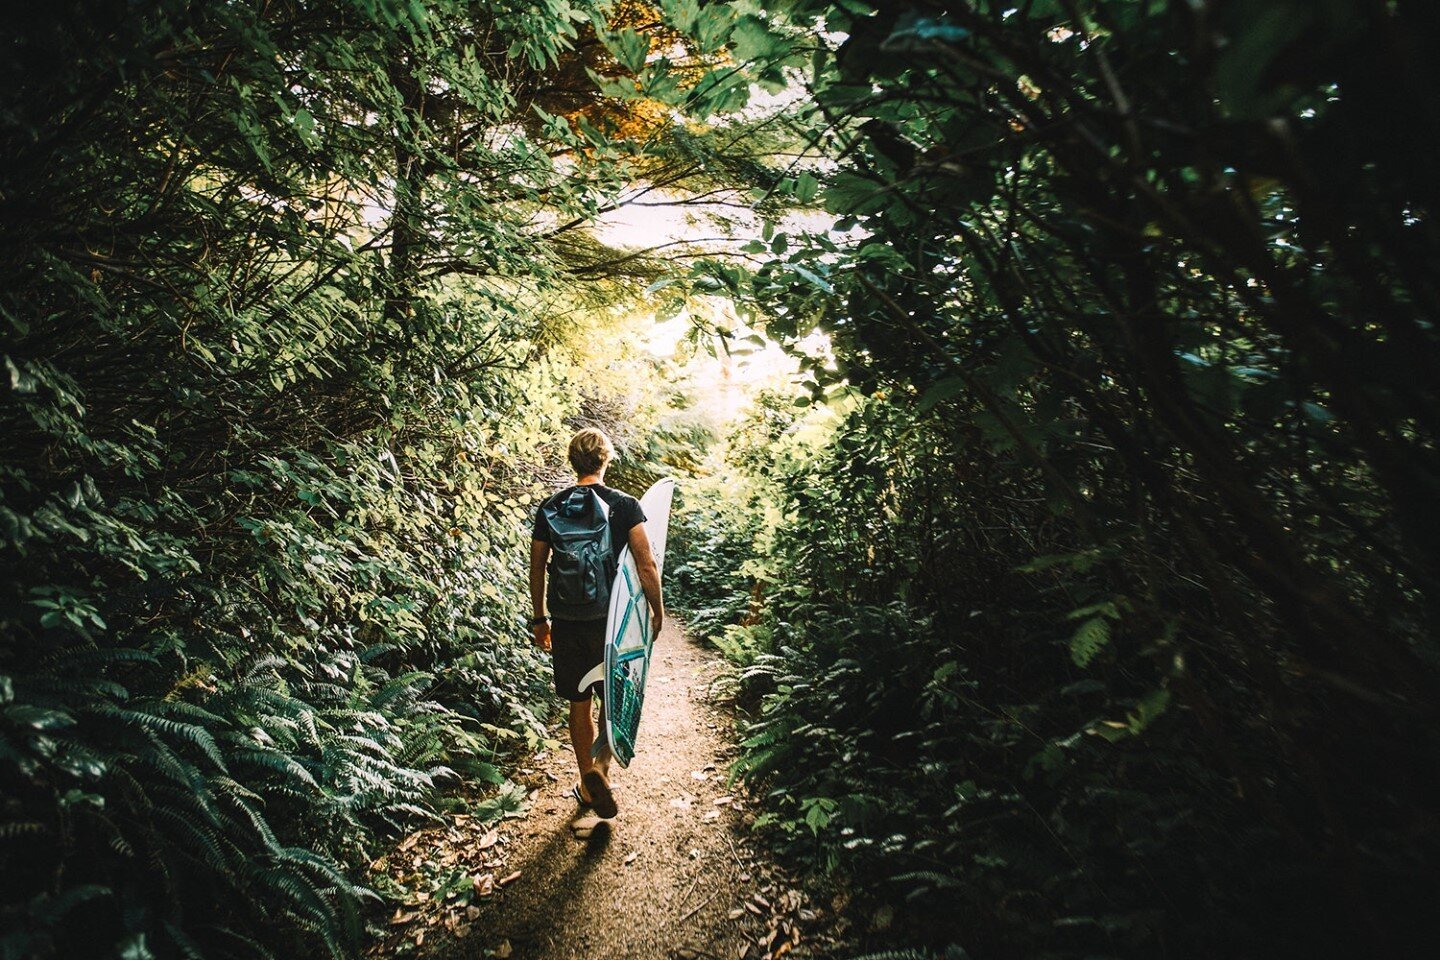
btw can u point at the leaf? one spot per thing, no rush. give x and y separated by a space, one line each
1148 709
853 193
1106 608
304 123
940 391
134 947
915 33
815 279
629 47
806 187
752 40
1089 639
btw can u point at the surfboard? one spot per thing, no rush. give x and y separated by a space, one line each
629 635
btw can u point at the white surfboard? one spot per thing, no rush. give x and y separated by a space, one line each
629 635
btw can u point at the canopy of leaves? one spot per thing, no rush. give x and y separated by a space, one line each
1098 609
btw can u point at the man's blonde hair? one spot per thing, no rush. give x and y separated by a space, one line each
590 450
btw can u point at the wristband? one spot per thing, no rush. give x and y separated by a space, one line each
536 621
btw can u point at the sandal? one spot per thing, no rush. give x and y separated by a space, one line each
602 800
580 798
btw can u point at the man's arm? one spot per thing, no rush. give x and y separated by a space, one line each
649 573
539 553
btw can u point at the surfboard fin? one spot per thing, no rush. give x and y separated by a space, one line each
593 677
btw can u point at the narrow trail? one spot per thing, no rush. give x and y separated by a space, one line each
674 876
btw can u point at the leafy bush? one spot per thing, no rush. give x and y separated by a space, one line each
981 718
1110 606
281 374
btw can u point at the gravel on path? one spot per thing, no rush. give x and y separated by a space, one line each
674 876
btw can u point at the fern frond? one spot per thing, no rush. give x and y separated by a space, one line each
1090 637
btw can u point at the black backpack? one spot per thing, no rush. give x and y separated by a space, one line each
582 563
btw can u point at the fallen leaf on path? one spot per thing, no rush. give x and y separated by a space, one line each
631 857
510 878
722 801
484 885
488 840
736 914
711 815
503 951
753 909
409 842
402 917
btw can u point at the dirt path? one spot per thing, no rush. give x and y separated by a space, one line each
673 876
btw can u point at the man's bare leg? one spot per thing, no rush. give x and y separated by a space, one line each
582 735
582 740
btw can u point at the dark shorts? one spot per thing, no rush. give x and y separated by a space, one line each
576 648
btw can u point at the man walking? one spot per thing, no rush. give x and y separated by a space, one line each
579 533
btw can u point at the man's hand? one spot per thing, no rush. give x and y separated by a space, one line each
657 618
541 634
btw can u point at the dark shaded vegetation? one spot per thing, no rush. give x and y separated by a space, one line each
295 304
1100 597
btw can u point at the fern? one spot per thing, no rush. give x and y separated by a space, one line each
1089 639
288 767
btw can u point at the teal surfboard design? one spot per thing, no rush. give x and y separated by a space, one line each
629 633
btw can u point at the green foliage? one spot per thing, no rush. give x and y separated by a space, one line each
297 302
1110 585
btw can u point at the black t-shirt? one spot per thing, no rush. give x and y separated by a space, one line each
625 513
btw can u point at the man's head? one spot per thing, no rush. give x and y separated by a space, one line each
590 451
